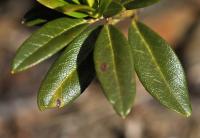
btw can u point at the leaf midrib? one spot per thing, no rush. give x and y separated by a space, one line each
115 72
72 71
60 88
157 65
45 47
58 35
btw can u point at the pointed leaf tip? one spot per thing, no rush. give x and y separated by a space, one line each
70 75
47 41
114 68
159 69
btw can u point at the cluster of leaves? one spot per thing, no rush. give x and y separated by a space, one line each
93 47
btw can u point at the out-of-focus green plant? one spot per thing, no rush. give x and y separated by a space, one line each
92 46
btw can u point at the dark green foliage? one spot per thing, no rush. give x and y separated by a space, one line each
85 30
113 9
135 4
70 74
47 41
40 15
158 68
111 54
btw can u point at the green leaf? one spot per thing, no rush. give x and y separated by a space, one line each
113 9
34 22
69 10
115 70
125 1
135 4
46 42
79 15
39 15
159 69
76 1
70 74
53 3
103 5
66 8
90 2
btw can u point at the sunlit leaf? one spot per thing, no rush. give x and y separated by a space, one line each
66 7
70 75
47 41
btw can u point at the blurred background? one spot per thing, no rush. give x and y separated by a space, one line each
91 116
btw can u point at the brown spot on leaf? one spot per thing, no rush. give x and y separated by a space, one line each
104 67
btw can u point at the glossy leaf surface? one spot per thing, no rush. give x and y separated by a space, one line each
76 1
113 9
114 68
90 2
69 75
39 15
53 3
159 69
66 7
103 5
135 4
46 42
